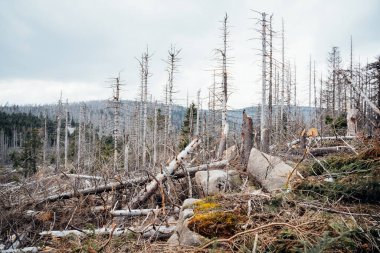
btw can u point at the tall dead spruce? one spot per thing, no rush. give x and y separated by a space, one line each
223 65
116 119
172 69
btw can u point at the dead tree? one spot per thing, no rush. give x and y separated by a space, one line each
246 138
282 78
145 64
223 52
81 135
172 62
310 103
159 179
270 98
198 112
126 139
116 120
155 137
66 134
263 119
58 140
45 139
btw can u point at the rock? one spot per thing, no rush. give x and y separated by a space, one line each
188 203
182 234
269 170
230 153
216 180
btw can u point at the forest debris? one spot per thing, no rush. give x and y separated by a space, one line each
22 250
319 138
140 212
161 231
329 150
84 176
150 189
246 138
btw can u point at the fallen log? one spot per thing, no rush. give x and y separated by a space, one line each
79 176
96 190
193 170
159 231
22 250
151 188
140 212
296 141
128 183
329 150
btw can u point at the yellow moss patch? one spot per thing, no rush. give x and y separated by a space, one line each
215 223
204 205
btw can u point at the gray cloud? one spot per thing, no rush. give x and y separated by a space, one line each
75 46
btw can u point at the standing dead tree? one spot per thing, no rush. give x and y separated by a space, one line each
172 69
145 76
224 59
116 120
66 133
246 138
58 140
81 135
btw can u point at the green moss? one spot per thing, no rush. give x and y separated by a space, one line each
215 223
204 205
356 178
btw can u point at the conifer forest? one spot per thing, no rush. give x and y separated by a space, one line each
189 126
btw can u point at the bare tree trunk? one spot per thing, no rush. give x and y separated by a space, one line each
145 101
66 135
270 98
172 68
198 112
45 139
58 152
247 138
223 138
282 78
264 146
155 139
116 124
150 189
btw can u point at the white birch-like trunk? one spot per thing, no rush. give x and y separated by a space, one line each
145 116
198 112
66 135
155 137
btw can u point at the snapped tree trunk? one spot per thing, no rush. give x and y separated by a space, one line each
246 138
160 178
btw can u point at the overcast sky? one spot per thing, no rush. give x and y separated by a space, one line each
75 46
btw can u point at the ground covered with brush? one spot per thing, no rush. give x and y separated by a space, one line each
334 208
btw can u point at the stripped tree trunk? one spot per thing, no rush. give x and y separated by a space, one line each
160 178
223 138
58 152
66 135
263 120
155 136
246 138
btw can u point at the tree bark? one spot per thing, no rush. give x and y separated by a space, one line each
150 189
247 138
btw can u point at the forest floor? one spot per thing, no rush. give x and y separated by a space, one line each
334 208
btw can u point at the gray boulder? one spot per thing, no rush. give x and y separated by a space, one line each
182 234
213 181
269 170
